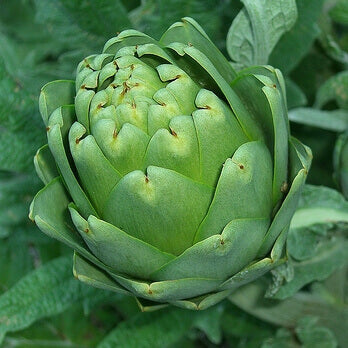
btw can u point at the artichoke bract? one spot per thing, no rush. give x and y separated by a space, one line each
173 177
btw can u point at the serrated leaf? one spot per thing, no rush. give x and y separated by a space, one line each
328 257
88 15
152 329
47 291
336 120
17 150
317 243
319 204
295 44
257 28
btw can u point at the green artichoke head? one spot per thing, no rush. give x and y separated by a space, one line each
173 177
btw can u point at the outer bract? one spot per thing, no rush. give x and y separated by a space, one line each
177 177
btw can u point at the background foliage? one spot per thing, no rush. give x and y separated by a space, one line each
300 304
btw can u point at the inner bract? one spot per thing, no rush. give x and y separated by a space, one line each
153 119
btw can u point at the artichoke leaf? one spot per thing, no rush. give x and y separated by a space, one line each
88 80
273 74
96 173
45 165
278 251
85 62
212 299
250 128
268 108
250 273
149 306
124 149
244 189
218 256
55 142
49 210
300 159
154 54
127 38
189 32
55 94
100 60
176 149
219 135
83 101
280 173
117 249
90 274
168 290
180 85
154 207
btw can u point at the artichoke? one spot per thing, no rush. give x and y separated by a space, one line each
173 177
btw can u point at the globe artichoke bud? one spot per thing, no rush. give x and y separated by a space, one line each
173 177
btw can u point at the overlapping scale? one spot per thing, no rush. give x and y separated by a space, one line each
177 167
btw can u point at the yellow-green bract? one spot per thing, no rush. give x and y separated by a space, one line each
177 177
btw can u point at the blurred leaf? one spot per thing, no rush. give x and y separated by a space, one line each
336 120
311 335
73 328
341 163
287 313
295 44
47 291
164 328
61 25
335 88
257 28
329 256
282 339
295 96
308 335
154 16
154 329
332 37
239 324
210 323
333 49
339 13
100 17
317 242
320 205
311 72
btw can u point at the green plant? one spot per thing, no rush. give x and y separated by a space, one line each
177 177
300 303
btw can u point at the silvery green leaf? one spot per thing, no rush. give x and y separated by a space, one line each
257 28
317 243
335 120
